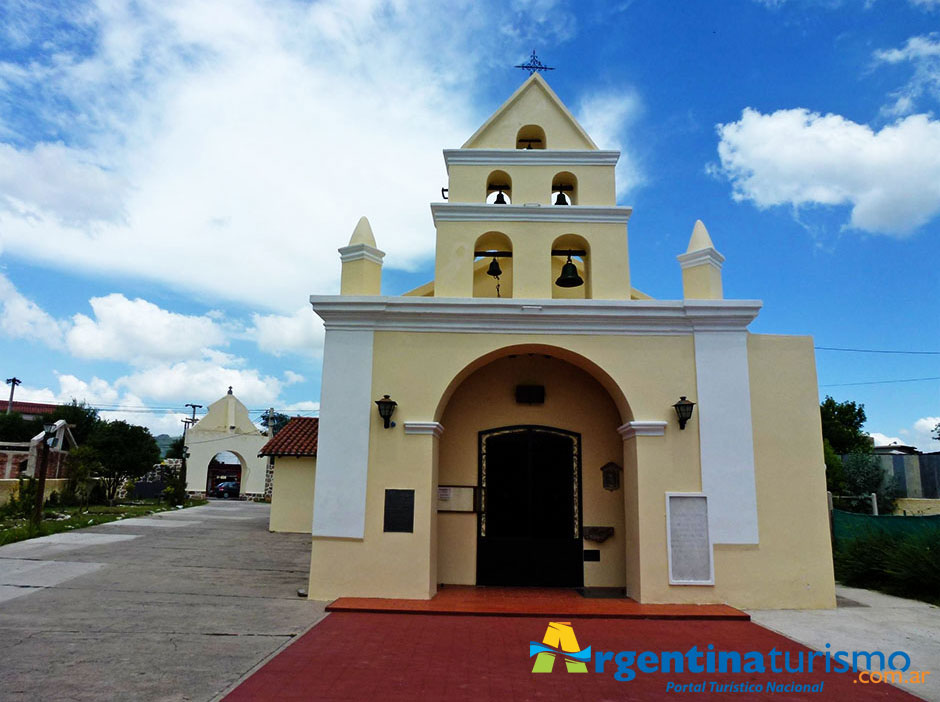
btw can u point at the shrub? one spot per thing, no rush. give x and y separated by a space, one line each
907 565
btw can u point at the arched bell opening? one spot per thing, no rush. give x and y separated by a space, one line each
564 189
531 136
492 266
499 188
571 270
529 432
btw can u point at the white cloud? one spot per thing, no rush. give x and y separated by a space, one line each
890 178
920 435
138 331
230 146
21 318
201 380
300 333
928 4
923 53
608 117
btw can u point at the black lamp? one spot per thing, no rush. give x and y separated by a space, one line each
683 410
386 409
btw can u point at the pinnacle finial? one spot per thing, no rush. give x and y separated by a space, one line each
700 239
362 234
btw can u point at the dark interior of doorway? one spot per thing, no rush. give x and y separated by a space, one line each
529 524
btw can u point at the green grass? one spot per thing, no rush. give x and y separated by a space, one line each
59 519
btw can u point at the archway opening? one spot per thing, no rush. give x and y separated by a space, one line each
492 265
499 188
224 475
529 432
531 136
565 189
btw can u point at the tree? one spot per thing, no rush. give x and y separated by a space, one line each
82 464
14 428
275 422
835 472
936 432
125 451
842 426
176 448
864 475
81 418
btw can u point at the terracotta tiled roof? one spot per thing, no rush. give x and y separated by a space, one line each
297 438
28 407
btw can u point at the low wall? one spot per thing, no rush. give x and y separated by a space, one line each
8 487
916 506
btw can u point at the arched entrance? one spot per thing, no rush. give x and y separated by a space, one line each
224 467
529 520
528 430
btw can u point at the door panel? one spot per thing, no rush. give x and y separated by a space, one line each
530 525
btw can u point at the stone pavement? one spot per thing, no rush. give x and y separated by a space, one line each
178 606
868 621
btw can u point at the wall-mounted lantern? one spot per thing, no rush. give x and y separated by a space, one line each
683 410
386 409
611 479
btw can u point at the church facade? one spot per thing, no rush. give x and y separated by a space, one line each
531 419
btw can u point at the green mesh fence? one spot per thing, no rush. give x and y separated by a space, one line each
851 525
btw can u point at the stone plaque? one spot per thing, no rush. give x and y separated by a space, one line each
400 510
690 553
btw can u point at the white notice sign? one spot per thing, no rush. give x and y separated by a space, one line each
444 493
690 553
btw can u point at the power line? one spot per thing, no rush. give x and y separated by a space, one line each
880 382
910 353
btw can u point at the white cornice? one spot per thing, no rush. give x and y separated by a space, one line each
504 316
360 252
473 212
529 157
631 429
707 256
426 428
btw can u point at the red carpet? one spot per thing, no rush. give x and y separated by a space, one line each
408 657
531 601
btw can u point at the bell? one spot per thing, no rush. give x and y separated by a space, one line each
569 277
494 269
561 199
500 199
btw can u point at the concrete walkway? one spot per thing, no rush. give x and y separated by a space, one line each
868 621
177 606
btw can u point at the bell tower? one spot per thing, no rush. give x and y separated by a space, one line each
532 210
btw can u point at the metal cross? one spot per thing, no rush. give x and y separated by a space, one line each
534 65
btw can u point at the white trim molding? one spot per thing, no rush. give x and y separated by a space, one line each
359 252
434 429
529 157
711 561
339 496
532 212
726 438
507 315
637 428
707 256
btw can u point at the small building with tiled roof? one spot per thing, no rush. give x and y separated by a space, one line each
29 410
293 453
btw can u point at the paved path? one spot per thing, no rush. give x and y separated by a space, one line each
465 658
868 621
177 606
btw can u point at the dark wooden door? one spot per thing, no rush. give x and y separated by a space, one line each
529 530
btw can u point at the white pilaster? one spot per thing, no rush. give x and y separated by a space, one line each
346 406
725 435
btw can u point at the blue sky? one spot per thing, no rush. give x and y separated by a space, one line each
175 177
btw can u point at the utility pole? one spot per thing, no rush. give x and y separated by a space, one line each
12 382
186 423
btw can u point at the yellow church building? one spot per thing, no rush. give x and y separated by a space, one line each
531 419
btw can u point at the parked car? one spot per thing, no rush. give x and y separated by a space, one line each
229 489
